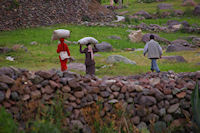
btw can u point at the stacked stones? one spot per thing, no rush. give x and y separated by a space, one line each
163 97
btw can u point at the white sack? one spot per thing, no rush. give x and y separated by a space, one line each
60 33
87 40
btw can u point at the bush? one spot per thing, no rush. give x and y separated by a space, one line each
7 124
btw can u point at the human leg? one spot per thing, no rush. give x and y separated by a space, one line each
155 65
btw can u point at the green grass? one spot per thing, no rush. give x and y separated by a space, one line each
43 56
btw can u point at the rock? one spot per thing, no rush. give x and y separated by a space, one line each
79 94
135 36
115 88
105 94
74 85
3 86
115 37
196 11
196 41
33 43
146 38
178 13
44 74
151 117
177 27
47 90
36 79
162 112
77 124
171 23
104 47
147 100
154 81
164 6
167 91
181 95
26 97
177 47
35 94
66 89
119 58
76 66
174 58
2 96
136 120
123 12
53 84
173 108
138 88
87 129
144 14
14 96
142 125
189 3
180 42
113 101
6 79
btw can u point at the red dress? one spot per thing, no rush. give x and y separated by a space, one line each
63 47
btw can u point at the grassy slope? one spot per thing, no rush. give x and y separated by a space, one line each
44 56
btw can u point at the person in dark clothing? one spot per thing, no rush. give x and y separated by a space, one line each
89 58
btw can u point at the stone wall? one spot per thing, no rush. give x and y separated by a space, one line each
163 97
31 13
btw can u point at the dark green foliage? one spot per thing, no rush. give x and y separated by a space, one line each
86 18
7 124
195 101
127 19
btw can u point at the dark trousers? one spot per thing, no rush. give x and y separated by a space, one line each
90 69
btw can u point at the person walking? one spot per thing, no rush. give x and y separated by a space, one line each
64 52
154 52
89 58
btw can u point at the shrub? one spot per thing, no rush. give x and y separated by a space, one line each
7 124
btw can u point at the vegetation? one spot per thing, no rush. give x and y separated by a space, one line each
195 101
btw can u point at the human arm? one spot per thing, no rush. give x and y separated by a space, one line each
81 51
145 49
160 50
58 49
95 49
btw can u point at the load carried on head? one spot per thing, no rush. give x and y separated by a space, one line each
87 40
60 33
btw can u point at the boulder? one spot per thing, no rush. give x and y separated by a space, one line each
135 36
173 108
189 3
4 50
144 14
196 11
146 38
104 47
44 74
164 6
170 23
174 58
14 96
178 13
119 58
196 41
147 100
177 47
76 66
181 42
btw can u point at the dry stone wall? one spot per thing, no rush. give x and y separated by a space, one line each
163 97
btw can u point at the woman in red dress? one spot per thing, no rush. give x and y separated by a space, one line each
63 47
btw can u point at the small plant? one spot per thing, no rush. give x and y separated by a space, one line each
127 19
188 12
44 127
7 124
195 101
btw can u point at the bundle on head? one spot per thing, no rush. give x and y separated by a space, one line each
87 40
60 33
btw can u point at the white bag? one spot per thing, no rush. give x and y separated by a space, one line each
87 40
64 55
60 33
